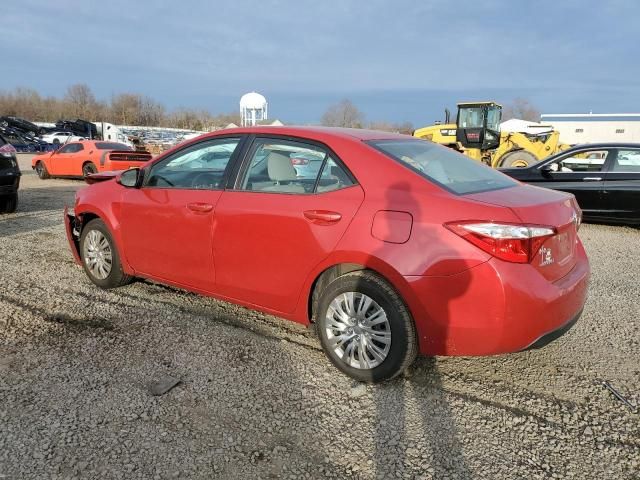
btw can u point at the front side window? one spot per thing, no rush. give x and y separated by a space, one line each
443 166
627 161
201 166
71 148
585 161
284 166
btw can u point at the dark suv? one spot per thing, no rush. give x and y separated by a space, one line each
9 177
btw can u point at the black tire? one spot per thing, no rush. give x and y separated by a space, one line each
404 344
517 159
116 276
9 204
88 169
41 170
56 141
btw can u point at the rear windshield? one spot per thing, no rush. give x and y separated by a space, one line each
113 146
444 166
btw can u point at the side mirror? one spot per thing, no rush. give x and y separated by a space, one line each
547 169
131 178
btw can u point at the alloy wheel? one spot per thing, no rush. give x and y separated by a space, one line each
358 330
97 254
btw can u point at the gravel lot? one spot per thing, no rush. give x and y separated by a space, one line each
257 397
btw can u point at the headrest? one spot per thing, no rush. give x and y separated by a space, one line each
280 168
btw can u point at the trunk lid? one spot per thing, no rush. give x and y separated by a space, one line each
539 206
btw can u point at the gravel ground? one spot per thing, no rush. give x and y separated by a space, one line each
257 397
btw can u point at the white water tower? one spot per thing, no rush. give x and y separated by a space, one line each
253 108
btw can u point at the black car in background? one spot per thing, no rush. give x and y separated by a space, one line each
604 177
9 177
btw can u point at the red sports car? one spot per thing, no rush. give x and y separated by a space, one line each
394 246
86 157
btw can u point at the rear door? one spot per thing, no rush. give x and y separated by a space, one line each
279 222
167 223
622 185
582 174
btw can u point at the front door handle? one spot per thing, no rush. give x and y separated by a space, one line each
322 217
199 207
592 179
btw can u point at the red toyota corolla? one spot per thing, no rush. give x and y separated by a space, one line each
391 245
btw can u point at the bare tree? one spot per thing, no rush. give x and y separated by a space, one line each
343 114
81 102
521 108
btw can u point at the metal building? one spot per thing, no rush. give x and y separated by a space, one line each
253 109
595 127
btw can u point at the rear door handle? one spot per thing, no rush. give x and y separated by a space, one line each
322 217
199 207
592 179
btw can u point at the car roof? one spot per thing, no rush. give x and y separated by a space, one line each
595 146
315 132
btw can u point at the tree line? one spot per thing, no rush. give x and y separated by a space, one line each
122 109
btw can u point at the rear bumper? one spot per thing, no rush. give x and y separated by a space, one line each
496 307
546 339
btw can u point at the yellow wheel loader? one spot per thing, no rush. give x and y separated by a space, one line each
477 134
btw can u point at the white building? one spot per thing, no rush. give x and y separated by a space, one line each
517 125
595 127
253 109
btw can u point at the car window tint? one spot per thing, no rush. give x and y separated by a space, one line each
67 149
584 161
284 166
627 161
200 166
333 177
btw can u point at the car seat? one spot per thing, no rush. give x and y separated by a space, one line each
280 170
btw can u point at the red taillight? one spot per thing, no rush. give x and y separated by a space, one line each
506 241
299 161
7 148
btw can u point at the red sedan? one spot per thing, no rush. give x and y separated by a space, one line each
86 157
394 246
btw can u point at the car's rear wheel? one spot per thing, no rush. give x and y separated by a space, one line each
41 170
100 258
9 203
88 169
365 328
517 159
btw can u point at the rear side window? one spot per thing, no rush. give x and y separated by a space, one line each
443 166
627 161
112 146
288 166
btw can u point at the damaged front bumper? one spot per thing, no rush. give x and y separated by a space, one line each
73 226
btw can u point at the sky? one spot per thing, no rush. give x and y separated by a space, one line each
396 60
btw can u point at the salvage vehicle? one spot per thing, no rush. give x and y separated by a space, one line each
9 177
394 246
57 138
604 178
20 124
83 158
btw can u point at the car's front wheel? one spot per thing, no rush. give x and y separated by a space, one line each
365 328
100 258
41 170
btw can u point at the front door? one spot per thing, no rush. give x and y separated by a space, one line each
288 211
63 161
167 223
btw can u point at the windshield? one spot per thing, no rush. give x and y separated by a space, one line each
471 117
112 146
443 166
